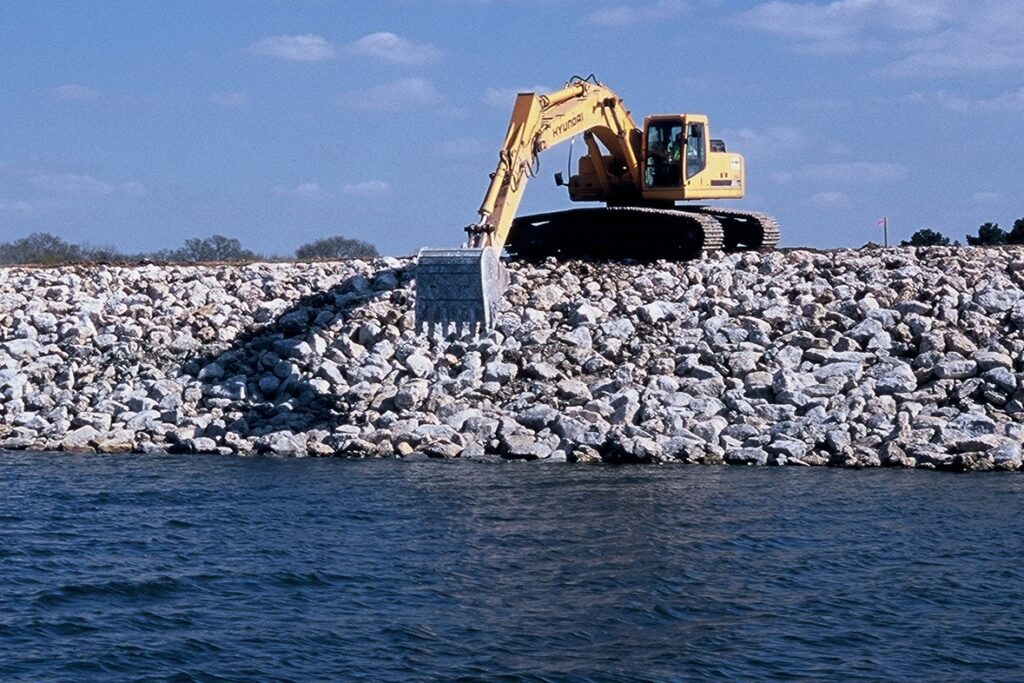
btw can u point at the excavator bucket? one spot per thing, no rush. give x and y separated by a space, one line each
460 287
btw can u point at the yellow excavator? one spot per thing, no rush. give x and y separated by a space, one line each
639 174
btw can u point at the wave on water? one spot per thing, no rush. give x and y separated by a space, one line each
273 569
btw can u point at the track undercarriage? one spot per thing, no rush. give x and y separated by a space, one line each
640 233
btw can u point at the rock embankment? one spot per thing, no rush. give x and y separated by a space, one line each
899 357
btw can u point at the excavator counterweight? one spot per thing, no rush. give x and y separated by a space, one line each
638 173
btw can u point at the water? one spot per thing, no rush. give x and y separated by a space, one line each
222 568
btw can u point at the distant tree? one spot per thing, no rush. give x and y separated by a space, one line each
213 248
926 237
988 234
106 253
336 247
41 248
1016 236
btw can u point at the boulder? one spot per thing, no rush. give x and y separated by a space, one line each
747 456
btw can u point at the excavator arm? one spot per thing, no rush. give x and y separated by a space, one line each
540 122
464 286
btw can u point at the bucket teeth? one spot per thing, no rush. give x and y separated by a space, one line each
448 320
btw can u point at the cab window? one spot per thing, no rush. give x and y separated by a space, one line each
663 156
696 156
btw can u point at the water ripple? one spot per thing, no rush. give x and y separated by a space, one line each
178 568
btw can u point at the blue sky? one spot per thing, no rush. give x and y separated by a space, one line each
140 124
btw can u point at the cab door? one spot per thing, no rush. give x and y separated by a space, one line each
696 152
663 158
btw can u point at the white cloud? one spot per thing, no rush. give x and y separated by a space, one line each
229 99
454 113
383 45
926 38
823 104
506 97
848 172
831 199
83 185
841 25
133 189
1012 101
15 207
624 15
392 48
300 48
986 197
398 95
73 184
770 141
370 189
856 172
466 147
304 190
71 92
984 38
836 149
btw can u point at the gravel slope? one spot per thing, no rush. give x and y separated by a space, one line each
897 357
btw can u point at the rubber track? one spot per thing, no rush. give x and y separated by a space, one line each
711 229
616 232
770 232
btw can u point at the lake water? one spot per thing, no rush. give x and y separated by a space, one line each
239 569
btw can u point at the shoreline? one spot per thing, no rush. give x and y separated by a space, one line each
895 357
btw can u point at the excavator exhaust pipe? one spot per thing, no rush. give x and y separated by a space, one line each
460 288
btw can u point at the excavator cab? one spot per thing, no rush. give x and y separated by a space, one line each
681 162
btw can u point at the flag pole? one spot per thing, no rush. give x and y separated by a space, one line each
885 231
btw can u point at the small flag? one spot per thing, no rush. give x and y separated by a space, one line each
881 221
